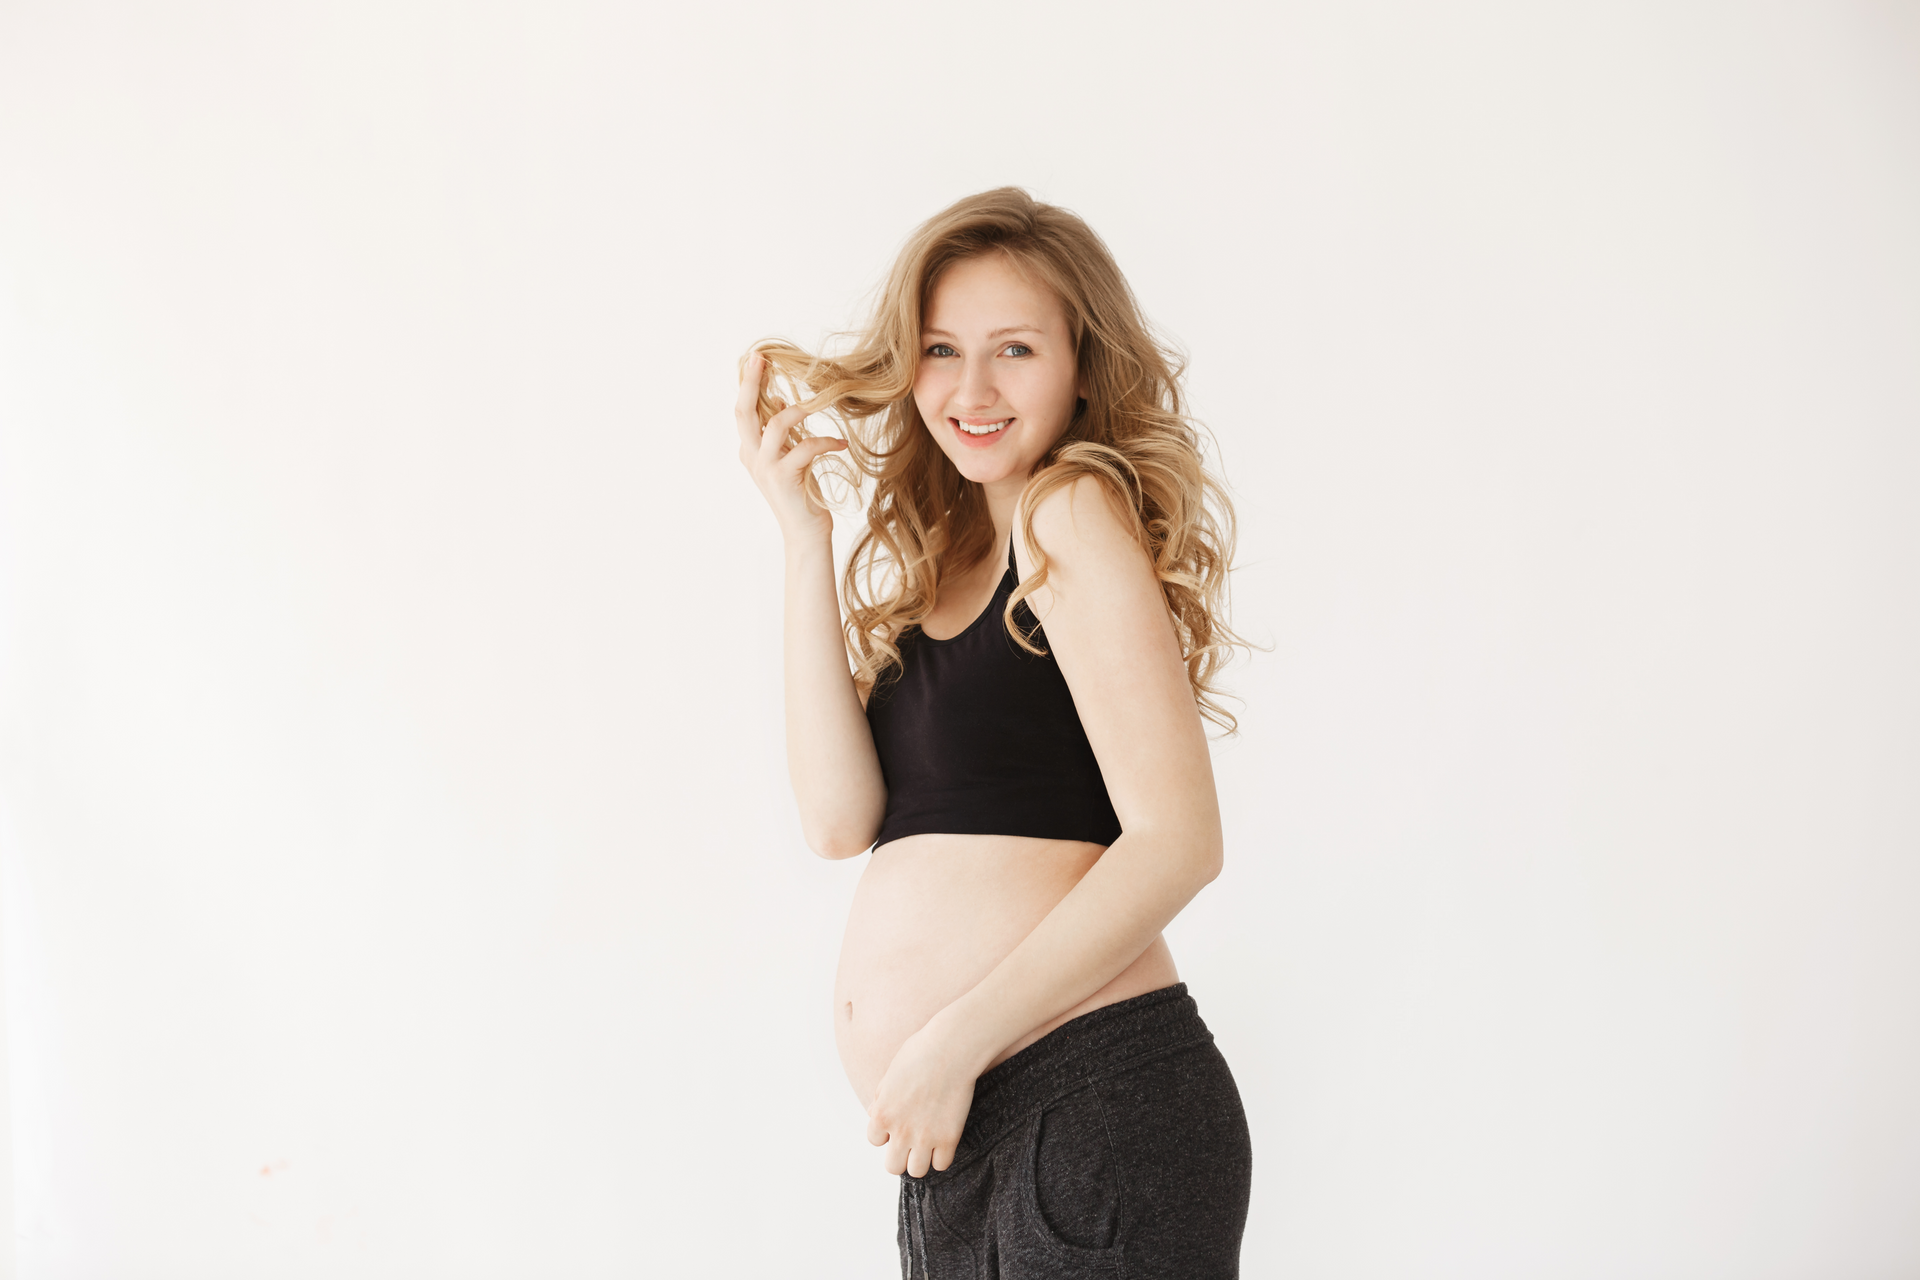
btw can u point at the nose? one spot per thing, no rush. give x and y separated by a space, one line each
977 392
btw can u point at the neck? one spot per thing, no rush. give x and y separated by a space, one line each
1002 497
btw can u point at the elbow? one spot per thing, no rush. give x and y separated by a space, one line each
842 826
1209 864
1209 856
836 841
1187 858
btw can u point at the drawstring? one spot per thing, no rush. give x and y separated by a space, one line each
906 1233
913 1219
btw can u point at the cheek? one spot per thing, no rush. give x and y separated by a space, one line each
1070 392
930 393
1054 392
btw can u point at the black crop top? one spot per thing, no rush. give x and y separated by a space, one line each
979 737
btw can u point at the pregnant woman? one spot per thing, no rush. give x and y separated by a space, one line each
1033 618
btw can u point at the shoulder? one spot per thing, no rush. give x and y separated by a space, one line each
1084 530
1081 516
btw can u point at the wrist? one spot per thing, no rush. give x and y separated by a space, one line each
808 543
967 1034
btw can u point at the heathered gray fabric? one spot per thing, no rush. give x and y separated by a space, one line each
1113 1146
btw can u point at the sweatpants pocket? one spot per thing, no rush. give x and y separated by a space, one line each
1068 1193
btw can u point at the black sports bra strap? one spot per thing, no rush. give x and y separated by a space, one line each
1012 568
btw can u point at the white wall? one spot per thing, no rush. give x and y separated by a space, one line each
399 874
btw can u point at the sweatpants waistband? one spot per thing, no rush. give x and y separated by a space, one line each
1094 1044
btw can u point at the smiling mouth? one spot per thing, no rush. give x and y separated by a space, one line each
982 428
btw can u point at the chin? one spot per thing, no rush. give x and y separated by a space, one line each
986 470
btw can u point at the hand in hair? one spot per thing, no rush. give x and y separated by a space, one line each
778 463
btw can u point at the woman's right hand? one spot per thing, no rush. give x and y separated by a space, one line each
778 468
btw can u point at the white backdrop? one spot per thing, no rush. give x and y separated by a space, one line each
399 874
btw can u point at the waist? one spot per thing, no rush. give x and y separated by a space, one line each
1112 1038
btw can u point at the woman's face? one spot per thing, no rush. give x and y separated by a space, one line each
998 379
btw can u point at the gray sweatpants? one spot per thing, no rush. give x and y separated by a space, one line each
1115 1145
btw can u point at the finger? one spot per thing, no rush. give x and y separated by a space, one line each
876 1132
804 454
774 436
917 1162
746 405
942 1157
894 1160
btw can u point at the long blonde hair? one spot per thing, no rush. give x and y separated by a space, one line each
1130 432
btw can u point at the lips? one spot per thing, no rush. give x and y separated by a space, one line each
980 432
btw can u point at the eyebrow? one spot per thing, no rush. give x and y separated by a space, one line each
997 333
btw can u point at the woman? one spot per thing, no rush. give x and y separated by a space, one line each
1033 621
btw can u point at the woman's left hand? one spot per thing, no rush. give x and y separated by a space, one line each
921 1103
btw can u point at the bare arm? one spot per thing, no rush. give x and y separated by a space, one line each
830 755
1107 626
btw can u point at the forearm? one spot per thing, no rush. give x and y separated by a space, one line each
1103 925
830 755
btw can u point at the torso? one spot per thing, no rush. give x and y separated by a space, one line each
935 913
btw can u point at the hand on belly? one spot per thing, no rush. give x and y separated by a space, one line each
920 1105
933 915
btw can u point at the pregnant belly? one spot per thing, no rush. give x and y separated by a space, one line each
933 915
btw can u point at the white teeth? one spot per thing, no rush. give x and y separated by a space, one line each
987 430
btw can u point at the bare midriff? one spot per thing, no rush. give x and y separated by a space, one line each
934 914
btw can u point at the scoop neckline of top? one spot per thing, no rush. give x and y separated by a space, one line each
999 589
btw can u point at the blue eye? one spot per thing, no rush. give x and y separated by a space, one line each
1019 349
940 349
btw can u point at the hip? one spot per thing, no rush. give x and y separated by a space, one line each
1115 1144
